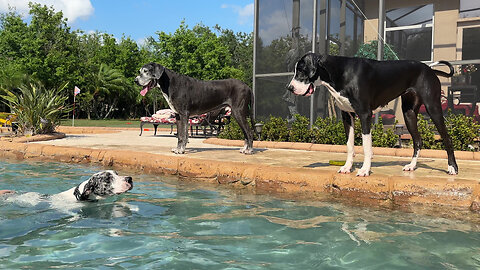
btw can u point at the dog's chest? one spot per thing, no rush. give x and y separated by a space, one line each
169 102
342 102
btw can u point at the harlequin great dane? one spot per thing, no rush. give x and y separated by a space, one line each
99 186
187 96
361 86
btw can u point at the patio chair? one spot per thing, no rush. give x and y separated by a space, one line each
167 117
7 119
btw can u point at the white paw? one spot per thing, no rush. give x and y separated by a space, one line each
451 170
363 172
409 168
178 151
248 151
345 169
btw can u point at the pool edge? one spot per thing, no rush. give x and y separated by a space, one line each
376 189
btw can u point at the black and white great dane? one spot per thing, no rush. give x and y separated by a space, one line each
361 86
100 185
188 96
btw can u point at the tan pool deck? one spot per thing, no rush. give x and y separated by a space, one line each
288 168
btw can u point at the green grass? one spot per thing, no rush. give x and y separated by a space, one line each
101 123
129 123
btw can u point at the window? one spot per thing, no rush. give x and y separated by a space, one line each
410 31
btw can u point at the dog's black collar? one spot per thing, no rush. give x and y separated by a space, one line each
77 194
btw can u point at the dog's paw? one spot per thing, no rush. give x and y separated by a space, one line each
345 169
247 151
452 170
409 168
363 172
178 151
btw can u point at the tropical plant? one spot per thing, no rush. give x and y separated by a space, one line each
38 109
109 86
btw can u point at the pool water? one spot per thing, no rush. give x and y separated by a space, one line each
166 223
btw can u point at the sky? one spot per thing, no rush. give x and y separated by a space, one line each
140 19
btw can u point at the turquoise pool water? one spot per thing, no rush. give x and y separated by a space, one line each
164 223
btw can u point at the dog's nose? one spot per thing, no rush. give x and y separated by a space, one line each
129 180
136 80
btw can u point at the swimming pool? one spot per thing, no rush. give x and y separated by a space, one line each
164 223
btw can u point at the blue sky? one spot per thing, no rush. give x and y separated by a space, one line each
142 18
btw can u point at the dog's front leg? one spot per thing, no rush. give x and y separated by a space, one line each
182 133
348 124
366 121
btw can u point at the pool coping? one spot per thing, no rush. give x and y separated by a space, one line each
377 189
384 151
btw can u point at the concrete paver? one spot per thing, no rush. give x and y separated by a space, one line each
163 142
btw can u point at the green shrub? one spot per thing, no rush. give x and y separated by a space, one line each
232 131
369 50
463 130
299 131
381 137
38 110
275 129
328 131
427 132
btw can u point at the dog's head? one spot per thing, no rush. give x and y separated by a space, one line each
103 184
308 70
149 76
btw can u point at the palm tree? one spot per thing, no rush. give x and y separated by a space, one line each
109 86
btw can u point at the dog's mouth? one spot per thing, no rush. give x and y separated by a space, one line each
310 90
147 88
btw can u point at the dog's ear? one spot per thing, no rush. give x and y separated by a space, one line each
158 71
88 189
311 60
323 71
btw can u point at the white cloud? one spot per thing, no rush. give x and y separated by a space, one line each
72 9
274 26
245 13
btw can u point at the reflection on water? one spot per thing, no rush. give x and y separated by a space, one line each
170 224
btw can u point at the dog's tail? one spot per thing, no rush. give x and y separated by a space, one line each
441 73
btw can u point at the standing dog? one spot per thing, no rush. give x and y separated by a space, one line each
361 86
187 96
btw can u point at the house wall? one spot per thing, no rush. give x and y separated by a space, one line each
446 15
